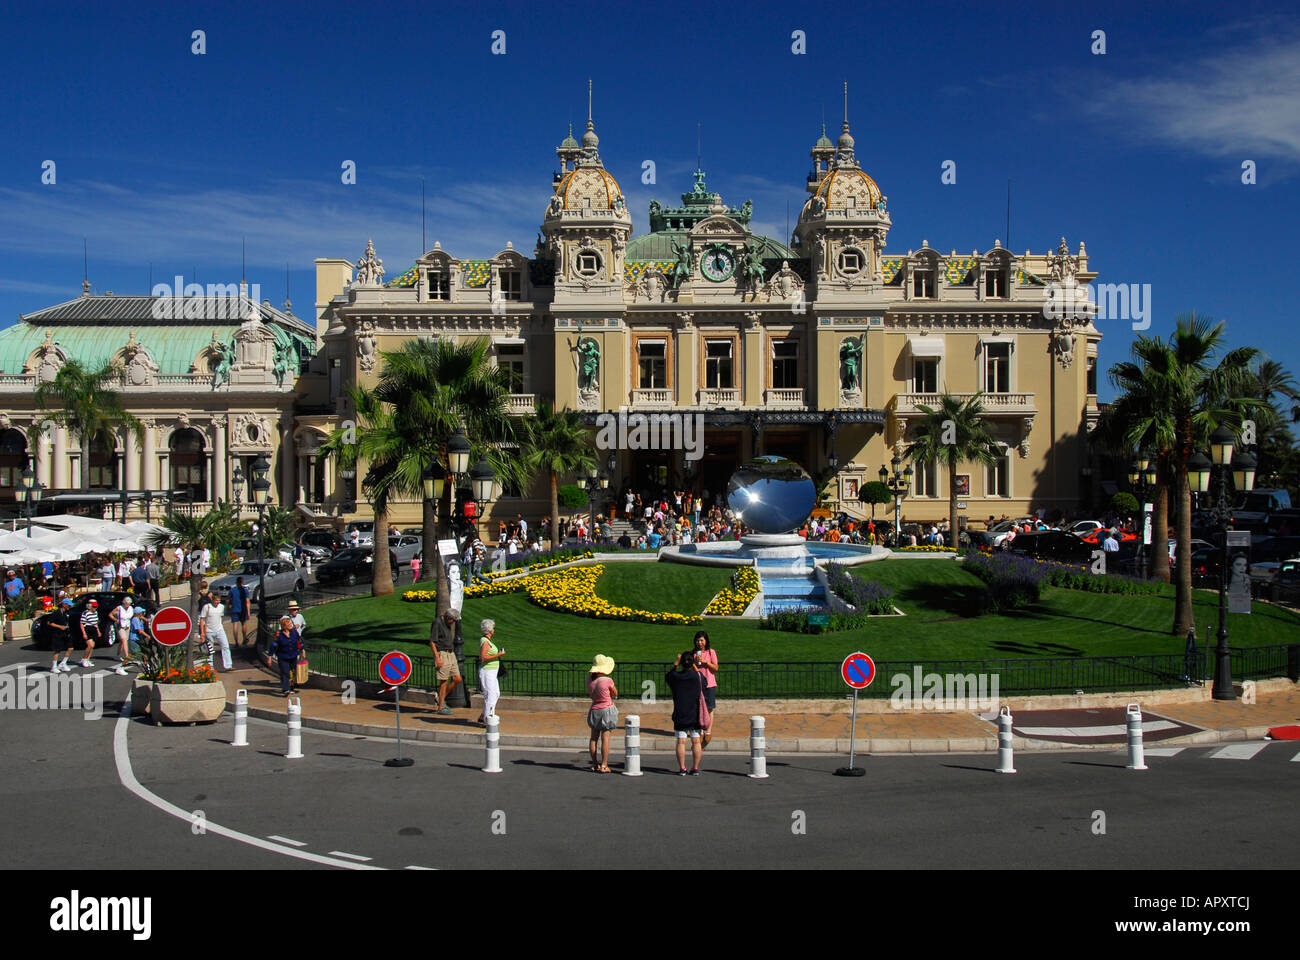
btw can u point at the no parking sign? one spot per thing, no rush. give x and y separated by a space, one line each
857 670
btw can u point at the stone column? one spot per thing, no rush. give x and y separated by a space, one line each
43 460
684 350
304 481
60 458
755 361
150 480
286 466
207 475
131 460
219 460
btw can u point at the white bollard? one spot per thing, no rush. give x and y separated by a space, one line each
757 749
493 761
241 719
295 729
1006 757
632 746
1136 760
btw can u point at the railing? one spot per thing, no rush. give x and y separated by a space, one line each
785 397
657 397
716 397
522 404
1015 677
993 402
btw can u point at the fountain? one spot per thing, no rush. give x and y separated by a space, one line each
774 496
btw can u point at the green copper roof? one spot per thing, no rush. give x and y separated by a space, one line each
659 246
669 225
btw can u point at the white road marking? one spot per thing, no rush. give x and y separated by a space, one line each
292 843
418 868
1112 730
350 856
1162 751
1296 758
127 776
1237 751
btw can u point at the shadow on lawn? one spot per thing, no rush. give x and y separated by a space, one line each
962 601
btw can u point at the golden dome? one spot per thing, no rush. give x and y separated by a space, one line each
589 183
840 184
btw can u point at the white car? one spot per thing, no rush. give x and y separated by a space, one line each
1084 527
365 533
1197 544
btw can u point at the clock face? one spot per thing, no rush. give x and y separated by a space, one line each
718 263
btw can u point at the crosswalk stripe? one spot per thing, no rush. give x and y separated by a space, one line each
286 840
1238 751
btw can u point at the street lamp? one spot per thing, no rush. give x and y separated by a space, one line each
434 480
261 487
1199 469
237 477
1142 477
29 495
899 484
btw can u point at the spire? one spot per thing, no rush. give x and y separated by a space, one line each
844 146
589 139
85 267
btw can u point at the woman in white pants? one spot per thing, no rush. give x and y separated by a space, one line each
489 665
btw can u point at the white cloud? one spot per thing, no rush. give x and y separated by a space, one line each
1242 102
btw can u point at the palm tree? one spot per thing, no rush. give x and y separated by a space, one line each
556 444
1177 398
376 441
81 399
953 433
219 526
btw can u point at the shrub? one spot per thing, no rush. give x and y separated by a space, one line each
1124 503
571 496
868 596
1010 581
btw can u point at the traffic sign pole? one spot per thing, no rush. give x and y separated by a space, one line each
399 760
857 670
395 668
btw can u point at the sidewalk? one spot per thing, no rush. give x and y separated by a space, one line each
562 724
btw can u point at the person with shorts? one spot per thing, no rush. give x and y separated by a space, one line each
122 614
90 630
602 718
442 640
707 658
690 711
58 622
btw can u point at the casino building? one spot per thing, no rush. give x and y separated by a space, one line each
821 347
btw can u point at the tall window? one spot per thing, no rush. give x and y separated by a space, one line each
785 364
653 363
995 282
187 461
996 481
997 367
13 458
439 285
102 474
512 284
718 365
1092 375
510 358
925 375
923 479
923 283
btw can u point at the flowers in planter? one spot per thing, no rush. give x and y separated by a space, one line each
733 601
199 674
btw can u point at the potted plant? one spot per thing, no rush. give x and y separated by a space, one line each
20 612
171 692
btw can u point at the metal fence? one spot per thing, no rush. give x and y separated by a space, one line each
815 680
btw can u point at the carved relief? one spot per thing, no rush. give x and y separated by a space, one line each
251 430
785 283
1027 424
367 345
138 367
47 360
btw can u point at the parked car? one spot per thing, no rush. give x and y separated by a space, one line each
1256 507
354 565
1205 567
1052 545
365 532
1094 538
1083 527
405 548
248 547
281 577
326 540
1197 544
43 634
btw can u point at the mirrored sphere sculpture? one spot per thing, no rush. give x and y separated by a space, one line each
771 494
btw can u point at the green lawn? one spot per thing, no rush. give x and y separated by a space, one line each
937 596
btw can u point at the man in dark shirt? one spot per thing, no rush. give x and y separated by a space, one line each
625 542
687 685
442 640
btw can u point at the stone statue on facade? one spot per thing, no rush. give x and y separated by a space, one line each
223 355
366 346
685 263
751 268
370 269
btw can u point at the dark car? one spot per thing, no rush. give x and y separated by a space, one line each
1054 545
354 565
324 539
43 633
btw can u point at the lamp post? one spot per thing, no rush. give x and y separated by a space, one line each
1199 469
261 487
595 482
898 484
237 478
1142 477
435 481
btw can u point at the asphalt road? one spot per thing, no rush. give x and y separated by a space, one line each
203 804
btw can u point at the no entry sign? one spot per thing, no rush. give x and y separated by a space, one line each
858 670
171 625
395 668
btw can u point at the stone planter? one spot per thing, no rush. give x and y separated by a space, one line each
187 702
18 629
141 692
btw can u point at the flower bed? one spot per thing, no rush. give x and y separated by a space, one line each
538 561
868 596
574 591
925 549
733 601
1010 581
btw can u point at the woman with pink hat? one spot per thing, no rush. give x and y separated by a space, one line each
603 715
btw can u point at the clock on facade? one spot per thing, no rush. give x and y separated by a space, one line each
718 263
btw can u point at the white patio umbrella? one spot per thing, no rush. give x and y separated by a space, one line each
71 540
11 542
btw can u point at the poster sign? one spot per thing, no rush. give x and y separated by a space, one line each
1146 523
963 484
1239 571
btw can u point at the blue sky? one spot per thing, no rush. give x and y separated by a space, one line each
169 157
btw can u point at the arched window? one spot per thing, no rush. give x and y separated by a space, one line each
103 475
13 458
188 464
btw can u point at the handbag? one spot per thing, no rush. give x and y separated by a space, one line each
300 673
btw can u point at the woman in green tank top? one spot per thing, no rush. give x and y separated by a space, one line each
489 663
